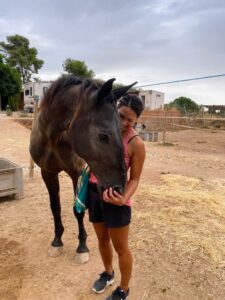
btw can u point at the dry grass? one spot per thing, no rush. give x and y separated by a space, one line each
182 221
177 233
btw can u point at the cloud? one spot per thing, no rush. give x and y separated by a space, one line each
147 41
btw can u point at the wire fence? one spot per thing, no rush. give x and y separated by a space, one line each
154 129
152 123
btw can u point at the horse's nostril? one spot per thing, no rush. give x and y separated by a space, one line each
119 189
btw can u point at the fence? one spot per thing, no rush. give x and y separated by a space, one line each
152 123
153 128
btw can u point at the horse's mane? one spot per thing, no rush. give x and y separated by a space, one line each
65 82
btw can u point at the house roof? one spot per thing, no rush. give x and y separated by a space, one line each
215 107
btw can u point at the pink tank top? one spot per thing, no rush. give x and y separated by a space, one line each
131 133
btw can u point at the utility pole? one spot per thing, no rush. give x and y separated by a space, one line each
35 113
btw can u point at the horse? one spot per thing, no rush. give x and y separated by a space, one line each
78 123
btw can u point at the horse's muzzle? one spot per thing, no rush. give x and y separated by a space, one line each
118 188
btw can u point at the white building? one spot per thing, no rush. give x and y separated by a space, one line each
152 99
32 89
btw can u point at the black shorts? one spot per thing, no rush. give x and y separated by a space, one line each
111 215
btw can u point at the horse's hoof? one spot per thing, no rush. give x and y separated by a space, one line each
55 251
81 258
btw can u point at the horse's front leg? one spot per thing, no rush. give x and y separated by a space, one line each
52 183
82 252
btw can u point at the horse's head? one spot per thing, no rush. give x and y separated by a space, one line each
95 134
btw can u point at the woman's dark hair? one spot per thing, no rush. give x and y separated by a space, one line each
132 101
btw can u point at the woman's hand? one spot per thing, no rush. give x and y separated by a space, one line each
113 197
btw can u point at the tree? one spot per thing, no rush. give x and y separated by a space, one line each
77 68
19 55
10 82
184 105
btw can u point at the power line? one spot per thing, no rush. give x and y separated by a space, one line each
181 80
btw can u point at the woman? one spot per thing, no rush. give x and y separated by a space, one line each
111 222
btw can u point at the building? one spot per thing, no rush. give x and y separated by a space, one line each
32 89
213 109
152 99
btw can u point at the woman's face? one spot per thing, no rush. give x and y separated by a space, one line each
128 117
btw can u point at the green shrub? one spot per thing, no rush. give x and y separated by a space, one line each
23 114
14 102
8 112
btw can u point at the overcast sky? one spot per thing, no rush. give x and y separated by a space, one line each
145 41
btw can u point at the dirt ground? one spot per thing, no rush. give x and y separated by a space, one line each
177 234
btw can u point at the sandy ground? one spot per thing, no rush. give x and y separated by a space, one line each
177 234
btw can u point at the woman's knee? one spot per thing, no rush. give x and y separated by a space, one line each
103 240
122 249
103 243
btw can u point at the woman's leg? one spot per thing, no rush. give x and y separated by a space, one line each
104 245
119 238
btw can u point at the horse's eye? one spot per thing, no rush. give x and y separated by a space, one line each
103 138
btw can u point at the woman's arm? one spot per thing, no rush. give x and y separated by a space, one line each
137 161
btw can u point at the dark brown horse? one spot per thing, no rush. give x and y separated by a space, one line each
78 123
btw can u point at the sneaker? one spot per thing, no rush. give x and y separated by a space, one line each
118 294
104 281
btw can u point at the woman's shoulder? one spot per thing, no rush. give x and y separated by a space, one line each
136 144
134 137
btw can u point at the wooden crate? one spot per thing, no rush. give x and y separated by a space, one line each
11 179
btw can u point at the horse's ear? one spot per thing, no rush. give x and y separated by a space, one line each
105 90
121 91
